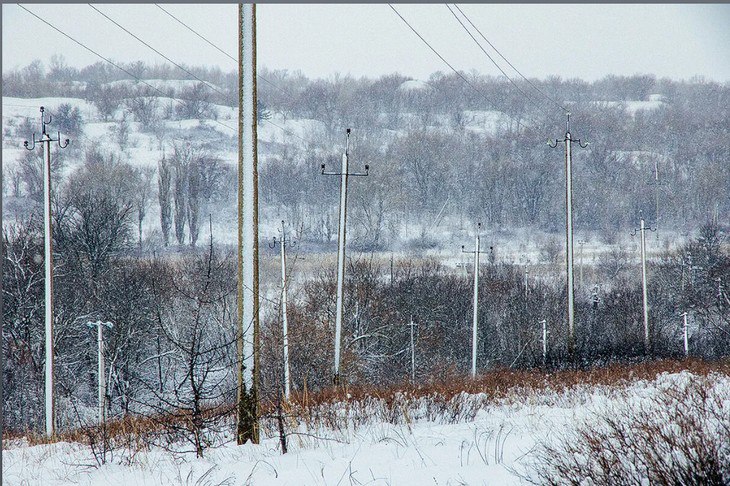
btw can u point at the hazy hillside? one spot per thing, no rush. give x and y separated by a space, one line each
442 157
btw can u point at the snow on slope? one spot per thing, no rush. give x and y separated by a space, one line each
494 448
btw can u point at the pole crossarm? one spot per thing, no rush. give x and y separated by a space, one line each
282 240
638 230
472 252
346 172
44 135
568 138
107 324
349 174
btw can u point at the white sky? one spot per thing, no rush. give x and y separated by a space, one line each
586 41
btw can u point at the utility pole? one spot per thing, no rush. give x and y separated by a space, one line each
580 262
413 354
686 339
101 367
48 247
642 229
283 242
341 238
248 270
544 341
475 314
656 183
569 228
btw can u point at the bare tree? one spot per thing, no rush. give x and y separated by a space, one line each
180 163
144 105
193 200
164 179
142 195
199 344
195 102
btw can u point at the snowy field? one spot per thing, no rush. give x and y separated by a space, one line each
472 440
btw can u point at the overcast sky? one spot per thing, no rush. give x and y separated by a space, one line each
586 41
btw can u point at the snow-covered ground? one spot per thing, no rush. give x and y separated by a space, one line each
479 441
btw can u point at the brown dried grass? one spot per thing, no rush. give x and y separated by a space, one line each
138 432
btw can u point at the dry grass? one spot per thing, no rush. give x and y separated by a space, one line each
504 383
451 399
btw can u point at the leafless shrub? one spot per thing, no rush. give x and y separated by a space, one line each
679 435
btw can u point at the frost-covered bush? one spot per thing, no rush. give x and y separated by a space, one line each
678 435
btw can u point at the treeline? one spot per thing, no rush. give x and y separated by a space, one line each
442 152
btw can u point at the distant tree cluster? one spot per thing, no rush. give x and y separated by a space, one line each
485 146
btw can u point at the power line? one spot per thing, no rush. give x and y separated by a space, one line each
110 61
186 71
447 62
510 64
285 130
210 85
529 98
263 78
196 33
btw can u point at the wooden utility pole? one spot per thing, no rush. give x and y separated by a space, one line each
247 428
48 247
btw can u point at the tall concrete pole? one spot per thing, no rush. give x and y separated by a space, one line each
248 288
101 368
341 239
413 354
48 264
569 231
475 306
643 288
544 341
569 241
475 315
341 242
48 260
285 325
